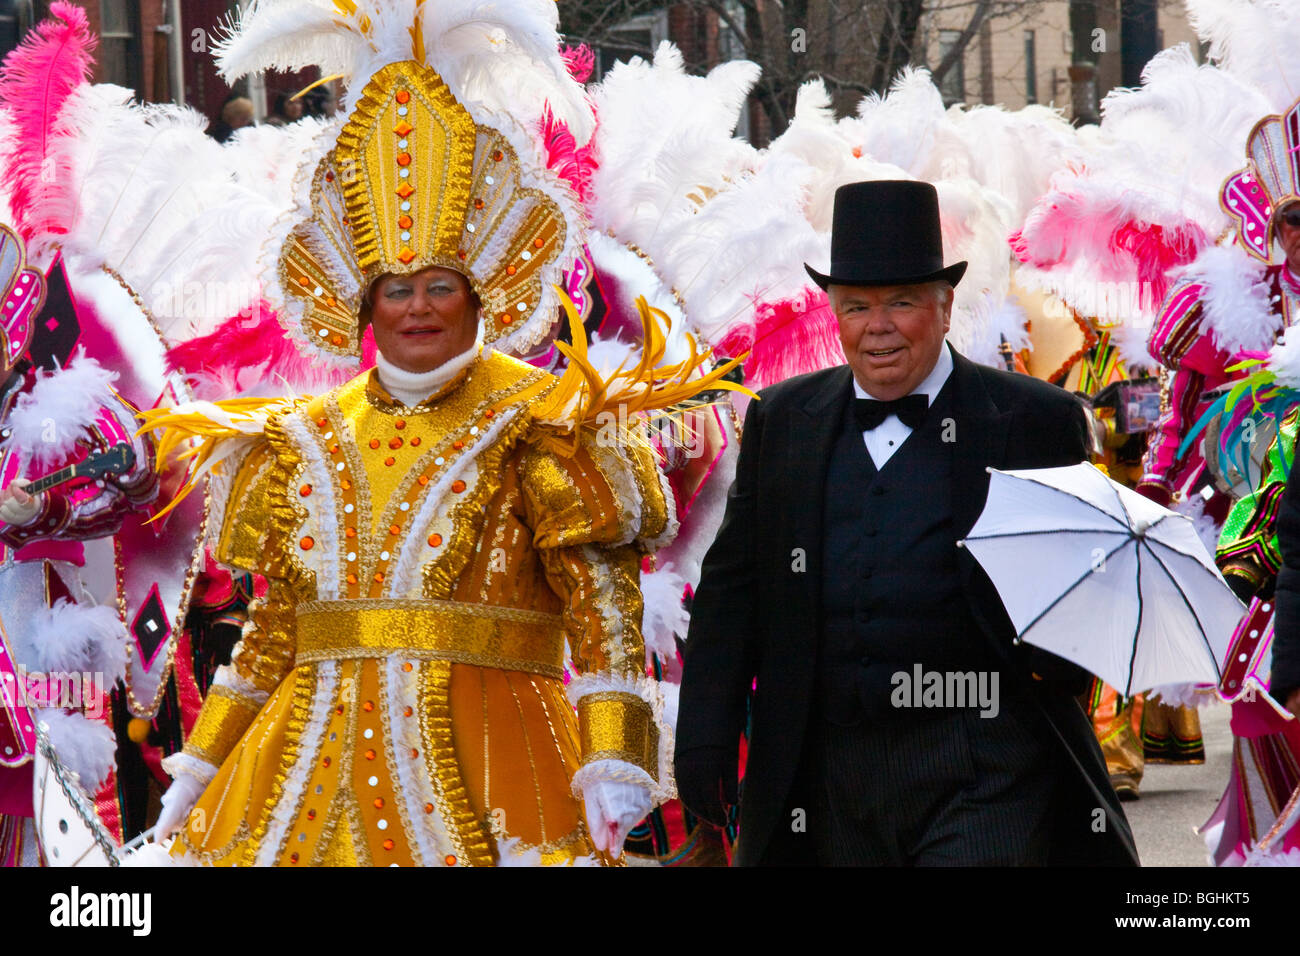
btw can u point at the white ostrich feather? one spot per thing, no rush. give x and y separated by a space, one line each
1012 153
664 618
664 136
1178 136
86 747
1255 40
499 55
1235 298
1284 359
48 421
70 638
160 207
902 126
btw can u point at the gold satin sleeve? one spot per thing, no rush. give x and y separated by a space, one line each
589 514
251 540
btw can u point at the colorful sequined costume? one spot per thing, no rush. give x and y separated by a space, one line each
399 694
1265 748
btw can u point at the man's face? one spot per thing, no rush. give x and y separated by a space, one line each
891 335
425 319
1289 235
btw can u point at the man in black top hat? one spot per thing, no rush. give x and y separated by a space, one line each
892 719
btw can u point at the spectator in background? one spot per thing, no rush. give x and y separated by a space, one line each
288 109
236 114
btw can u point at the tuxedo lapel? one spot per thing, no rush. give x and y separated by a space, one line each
816 430
980 437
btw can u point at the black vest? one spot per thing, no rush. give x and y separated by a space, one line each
891 589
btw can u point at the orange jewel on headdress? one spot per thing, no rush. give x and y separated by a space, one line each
403 97
403 159
406 222
405 190
403 128
406 255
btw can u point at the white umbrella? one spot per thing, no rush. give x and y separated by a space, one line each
1103 577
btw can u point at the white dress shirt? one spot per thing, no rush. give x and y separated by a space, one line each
887 437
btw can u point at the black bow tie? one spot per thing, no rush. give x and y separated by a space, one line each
910 410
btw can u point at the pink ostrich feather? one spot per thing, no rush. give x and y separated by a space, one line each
575 166
579 60
36 80
250 352
1098 228
788 338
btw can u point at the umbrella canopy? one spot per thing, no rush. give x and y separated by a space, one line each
1101 576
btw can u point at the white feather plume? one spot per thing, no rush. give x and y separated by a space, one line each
664 617
1235 298
86 747
70 638
497 55
1256 41
48 421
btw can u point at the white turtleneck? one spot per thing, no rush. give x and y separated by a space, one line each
411 388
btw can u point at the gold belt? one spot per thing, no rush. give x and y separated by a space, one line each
508 638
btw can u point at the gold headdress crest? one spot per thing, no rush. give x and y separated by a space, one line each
421 174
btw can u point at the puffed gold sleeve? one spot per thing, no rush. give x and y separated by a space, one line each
594 515
249 541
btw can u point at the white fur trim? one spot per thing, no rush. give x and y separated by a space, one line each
70 638
1284 359
426 832
226 676
1184 695
47 422
611 771
282 817
322 506
1235 298
85 747
183 763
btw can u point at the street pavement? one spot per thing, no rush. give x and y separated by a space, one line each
1177 799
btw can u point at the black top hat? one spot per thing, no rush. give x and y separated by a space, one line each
886 232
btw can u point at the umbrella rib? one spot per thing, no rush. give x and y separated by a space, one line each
1083 501
1188 604
1137 628
1066 593
1120 501
1025 534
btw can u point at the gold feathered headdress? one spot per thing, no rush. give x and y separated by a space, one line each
433 166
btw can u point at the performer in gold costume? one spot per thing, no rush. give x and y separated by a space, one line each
433 531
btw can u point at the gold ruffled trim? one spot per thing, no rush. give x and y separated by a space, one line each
473 845
304 690
286 514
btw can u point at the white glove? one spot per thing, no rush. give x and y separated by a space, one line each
614 808
16 506
177 803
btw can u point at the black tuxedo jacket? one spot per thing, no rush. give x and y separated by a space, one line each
756 613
